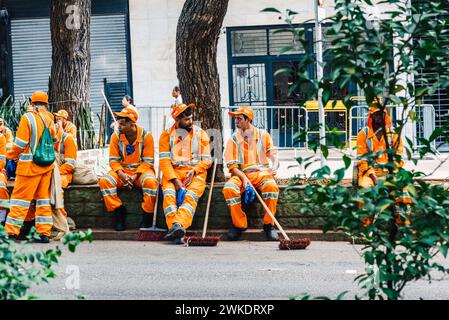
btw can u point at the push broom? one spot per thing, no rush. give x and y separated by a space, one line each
203 241
286 243
153 233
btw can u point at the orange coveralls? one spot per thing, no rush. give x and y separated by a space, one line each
4 194
371 143
70 128
252 159
179 153
68 149
32 181
141 161
9 138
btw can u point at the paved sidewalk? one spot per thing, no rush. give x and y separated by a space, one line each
232 270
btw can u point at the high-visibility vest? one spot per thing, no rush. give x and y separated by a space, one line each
194 150
259 150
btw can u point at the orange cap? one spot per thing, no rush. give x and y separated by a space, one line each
245 110
128 112
180 108
39 96
62 113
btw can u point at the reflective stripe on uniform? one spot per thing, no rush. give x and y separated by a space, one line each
233 201
170 209
42 202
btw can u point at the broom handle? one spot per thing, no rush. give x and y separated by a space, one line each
109 107
158 182
267 209
206 219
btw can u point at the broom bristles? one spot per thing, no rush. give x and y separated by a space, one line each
149 235
197 241
294 244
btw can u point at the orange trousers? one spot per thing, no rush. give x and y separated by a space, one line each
233 190
110 182
185 212
26 189
4 194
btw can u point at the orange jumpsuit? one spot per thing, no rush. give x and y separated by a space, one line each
68 149
32 181
9 138
179 153
370 143
4 194
141 161
252 159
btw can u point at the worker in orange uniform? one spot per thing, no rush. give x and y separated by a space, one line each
246 155
63 123
371 139
131 158
184 157
7 133
67 150
32 180
4 194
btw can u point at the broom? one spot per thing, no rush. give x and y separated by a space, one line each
286 243
203 241
153 233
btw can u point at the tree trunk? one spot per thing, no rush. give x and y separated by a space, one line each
70 70
197 36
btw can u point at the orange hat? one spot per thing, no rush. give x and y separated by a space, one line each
245 110
128 112
62 113
39 96
180 108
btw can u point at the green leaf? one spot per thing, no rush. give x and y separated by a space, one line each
347 161
271 10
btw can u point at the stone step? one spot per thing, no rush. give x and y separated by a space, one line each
248 235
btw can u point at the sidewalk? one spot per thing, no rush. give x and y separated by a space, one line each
290 168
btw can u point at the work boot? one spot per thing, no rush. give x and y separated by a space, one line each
120 218
270 232
146 221
42 239
12 237
25 230
179 241
234 234
176 231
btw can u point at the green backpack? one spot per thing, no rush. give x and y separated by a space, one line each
44 154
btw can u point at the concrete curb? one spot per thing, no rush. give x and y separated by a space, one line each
248 235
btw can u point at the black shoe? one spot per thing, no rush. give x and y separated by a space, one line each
120 218
12 237
176 231
179 241
146 221
234 234
270 232
42 239
25 230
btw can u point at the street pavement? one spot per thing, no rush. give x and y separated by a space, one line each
232 270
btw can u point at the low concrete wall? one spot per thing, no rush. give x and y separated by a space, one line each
85 205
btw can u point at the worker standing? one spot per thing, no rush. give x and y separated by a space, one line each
131 158
184 159
33 176
246 155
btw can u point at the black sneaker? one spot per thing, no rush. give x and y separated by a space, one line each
12 237
25 230
42 239
176 231
146 221
270 232
120 219
234 234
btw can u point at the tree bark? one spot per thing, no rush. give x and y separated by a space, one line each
197 36
69 86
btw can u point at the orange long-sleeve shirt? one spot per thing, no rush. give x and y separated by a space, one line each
67 148
9 138
2 151
176 149
377 145
140 160
27 138
249 155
